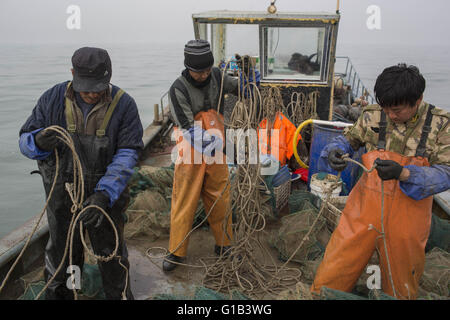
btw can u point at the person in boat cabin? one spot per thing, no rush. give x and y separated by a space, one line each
104 123
408 141
193 100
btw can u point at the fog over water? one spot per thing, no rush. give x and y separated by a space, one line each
145 40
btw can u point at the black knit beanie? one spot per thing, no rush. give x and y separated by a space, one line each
198 55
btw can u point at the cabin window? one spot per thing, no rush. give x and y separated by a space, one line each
228 39
242 39
296 54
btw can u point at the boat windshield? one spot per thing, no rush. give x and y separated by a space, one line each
294 53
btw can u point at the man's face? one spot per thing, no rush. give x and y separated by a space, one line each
402 113
200 76
91 97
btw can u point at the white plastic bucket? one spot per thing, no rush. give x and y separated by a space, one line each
321 187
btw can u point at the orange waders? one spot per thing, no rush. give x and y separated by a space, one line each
406 225
193 180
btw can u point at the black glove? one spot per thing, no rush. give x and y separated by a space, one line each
46 140
388 169
94 215
335 159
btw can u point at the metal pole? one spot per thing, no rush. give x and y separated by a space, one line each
357 88
350 73
346 66
156 113
353 83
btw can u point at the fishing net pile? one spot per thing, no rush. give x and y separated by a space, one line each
439 234
148 215
302 238
296 225
290 242
435 281
91 284
304 208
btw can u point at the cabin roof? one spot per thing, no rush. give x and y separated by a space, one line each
258 16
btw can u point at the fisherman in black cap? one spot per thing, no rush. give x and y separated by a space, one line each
106 129
194 98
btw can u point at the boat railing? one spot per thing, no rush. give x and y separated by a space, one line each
352 78
166 94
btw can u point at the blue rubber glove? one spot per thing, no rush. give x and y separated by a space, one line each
203 142
339 142
215 144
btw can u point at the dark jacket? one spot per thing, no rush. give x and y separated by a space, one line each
124 128
124 131
186 100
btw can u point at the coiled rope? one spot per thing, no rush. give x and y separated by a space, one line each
240 268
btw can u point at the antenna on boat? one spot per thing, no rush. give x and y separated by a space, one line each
337 6
272 9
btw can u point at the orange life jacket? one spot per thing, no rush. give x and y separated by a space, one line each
284 129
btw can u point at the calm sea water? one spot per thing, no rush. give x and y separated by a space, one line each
145 71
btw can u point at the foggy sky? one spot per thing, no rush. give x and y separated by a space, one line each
136 21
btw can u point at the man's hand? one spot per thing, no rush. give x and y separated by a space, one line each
93 215
204 142
388 169
46 140
335 159
215 143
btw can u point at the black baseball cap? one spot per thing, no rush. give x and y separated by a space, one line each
92 69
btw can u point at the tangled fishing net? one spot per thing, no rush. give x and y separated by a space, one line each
435 280
294 228
148 215
91 284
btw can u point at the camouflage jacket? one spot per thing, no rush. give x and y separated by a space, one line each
404 138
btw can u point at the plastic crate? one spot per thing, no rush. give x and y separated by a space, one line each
282 193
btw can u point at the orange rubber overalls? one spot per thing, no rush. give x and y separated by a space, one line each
192 180
406 225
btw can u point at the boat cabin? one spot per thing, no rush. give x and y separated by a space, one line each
293 51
